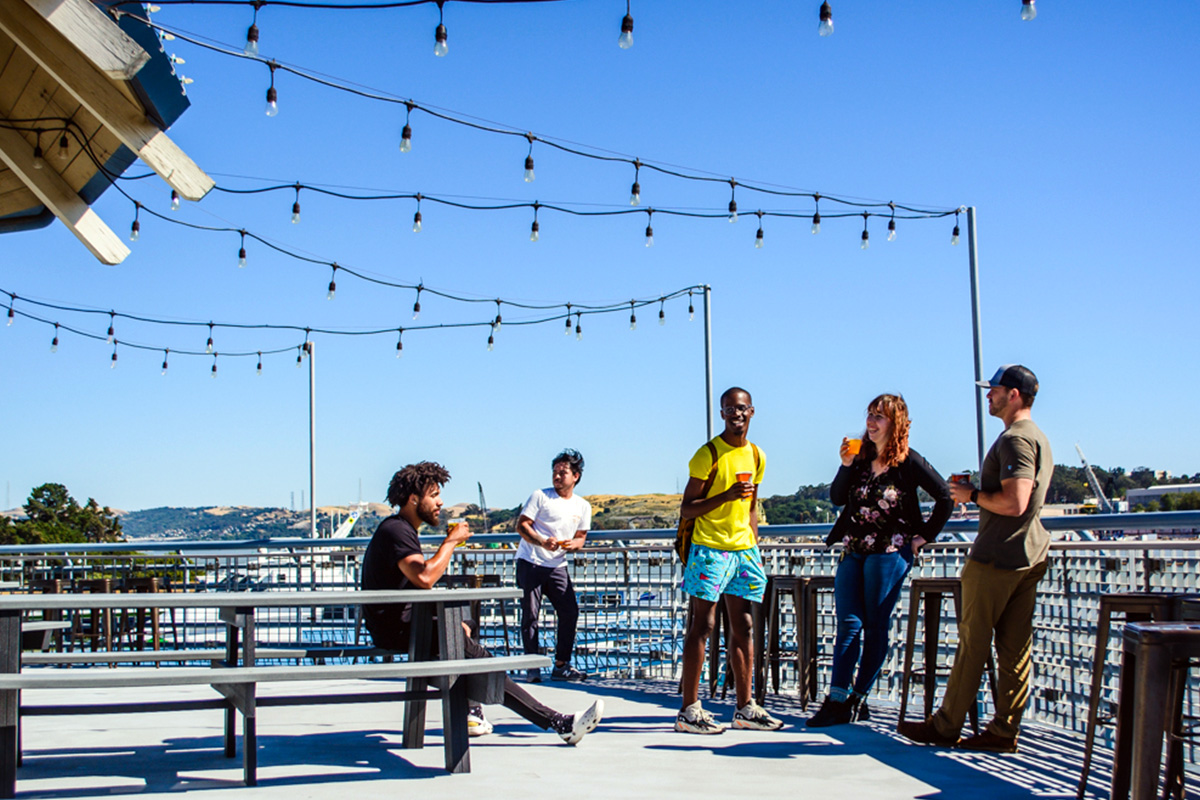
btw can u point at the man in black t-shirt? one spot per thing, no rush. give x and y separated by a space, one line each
394 560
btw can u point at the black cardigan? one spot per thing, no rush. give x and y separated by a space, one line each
915 472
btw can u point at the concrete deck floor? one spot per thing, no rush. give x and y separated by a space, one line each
339 751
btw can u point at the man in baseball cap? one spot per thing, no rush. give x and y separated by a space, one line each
1000 578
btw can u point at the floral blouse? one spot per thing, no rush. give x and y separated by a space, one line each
877 524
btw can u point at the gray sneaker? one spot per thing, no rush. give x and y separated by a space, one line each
754 717
568 673
694 719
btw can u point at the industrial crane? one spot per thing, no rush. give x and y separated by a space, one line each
1105 505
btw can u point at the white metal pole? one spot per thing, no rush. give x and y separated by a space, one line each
977 333
312 440
708 381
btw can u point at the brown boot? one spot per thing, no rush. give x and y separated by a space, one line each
990 742
924 733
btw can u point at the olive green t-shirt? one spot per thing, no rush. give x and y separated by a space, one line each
1020 542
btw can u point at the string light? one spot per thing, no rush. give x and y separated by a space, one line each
258 369
866 236
135 230
649 228
166 354
54 341
626 39
496 324
214 366
491 338
299 356
406 132
11 313
632 317
891 237
64 147
251 48
296 207
112 333
662 314
816 220
39 160
332 284
567 326
1028 10
732 200
578 326
272 94
758 237
825 28
174 200
417 305
691 308
399 342
208 348
417 216
440 47
242 250
635 192
954 235
534 228
529 176
113 363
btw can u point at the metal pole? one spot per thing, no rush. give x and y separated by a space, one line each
708 384
973 253
312 440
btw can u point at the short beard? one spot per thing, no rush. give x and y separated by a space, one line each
430 517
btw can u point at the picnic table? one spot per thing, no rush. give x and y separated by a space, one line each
437 618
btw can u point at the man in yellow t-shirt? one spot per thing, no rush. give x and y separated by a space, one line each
724 560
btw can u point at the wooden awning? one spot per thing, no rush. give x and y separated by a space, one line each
66 60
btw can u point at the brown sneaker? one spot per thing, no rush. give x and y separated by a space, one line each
990 742
924 733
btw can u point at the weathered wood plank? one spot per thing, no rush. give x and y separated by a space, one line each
95 35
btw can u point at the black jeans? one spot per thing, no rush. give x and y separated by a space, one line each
515 697
555 584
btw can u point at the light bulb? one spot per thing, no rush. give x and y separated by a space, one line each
733 211
113 364
578 332
635 194
54 345
632 320
626 39
11 316
111 333
406 139
214 371
299 359
174 200
816 226
567 325
164 366
272 102
826 26
64 148
241 257
296 213
533 231
491 342
135 231
496 323
954 236
1028 10
39 161
332 290
417 222
399 349
649 236
891 230
440 48
691 311
758 239
866 240
258 369
208 348
529 169
251 48
662 317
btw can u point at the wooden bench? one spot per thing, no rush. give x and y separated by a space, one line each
317 654
454 681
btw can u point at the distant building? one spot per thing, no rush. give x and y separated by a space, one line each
1141 497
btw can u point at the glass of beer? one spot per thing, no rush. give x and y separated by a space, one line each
451 524
743 477
961 477
854 445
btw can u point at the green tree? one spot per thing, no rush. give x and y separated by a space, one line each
54 517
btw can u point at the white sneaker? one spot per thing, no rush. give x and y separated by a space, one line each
694 719
754 717
583 723
477 723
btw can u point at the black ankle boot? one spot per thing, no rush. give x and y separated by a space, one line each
861 712
832 712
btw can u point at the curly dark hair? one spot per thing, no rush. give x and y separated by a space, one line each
415 479
572 458
895 409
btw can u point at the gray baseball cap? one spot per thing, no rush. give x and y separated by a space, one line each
1013 376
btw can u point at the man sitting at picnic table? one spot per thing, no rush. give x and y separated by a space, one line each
394 561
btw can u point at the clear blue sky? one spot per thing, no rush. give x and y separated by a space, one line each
1074 135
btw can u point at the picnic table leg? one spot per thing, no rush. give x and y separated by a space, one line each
10 702
454 697
231 656
420 648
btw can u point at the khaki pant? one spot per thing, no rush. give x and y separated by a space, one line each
1000 600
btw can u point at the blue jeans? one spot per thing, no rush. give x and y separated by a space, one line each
865 591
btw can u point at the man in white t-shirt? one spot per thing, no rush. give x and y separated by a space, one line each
553 522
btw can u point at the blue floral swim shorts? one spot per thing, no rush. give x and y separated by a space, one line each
711 573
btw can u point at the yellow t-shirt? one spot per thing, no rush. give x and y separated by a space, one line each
726 527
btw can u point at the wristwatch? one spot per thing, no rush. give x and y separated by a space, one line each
975 496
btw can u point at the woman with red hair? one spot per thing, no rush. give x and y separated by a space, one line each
881 529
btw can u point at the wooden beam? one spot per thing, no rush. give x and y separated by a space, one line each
95 35
56 195
103 99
